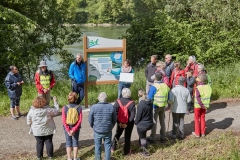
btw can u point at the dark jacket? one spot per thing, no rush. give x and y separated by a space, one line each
131 109
102 117
14 90
190 84
169 68
150 71
144 117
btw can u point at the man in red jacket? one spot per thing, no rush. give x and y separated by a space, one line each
44 81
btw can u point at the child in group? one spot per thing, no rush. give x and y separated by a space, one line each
190 86
72 119
161 69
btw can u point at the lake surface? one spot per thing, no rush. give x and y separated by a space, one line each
114 32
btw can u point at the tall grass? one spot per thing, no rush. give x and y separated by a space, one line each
225 84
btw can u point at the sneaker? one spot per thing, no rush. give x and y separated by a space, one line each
14 118
20 115
162 140
150 140
145 154
203 135
193 133
172 136
76 159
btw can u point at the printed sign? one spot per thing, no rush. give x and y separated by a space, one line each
99 42
99 63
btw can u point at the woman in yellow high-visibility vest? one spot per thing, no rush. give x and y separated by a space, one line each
201 103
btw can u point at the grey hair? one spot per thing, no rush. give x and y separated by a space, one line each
79 54
154 56
158 76
203 78
126 93
170 56
102 97
181 81
161 64
201 67
193 58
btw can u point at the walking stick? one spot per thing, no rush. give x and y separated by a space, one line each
168 119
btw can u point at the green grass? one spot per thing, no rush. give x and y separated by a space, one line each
225 84
216 145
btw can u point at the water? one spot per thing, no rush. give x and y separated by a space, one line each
106 32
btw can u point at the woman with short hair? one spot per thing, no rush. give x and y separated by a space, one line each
127 103
72 130
40 118
14 82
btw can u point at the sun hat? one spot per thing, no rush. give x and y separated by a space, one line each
43 64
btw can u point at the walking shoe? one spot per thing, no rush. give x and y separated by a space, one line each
150 140
172 136
20 115
76 159
145 154
14 118
162 140
203 135
193 133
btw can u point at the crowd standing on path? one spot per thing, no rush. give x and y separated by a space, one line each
168 87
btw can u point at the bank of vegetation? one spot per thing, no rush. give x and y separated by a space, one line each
33 30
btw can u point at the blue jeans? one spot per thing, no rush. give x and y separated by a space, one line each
122 85
107 138
72 141
79 89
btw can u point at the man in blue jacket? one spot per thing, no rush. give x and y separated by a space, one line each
77 72
102 118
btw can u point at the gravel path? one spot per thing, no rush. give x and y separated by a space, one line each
14 137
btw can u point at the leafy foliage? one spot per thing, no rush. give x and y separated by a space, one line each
32 30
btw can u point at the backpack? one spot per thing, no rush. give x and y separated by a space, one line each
123 112
72 115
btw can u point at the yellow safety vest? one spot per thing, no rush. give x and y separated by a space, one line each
161 96
45 81
205 93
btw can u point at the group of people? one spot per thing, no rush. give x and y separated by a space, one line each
168 86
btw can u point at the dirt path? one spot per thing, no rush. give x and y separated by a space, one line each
14 137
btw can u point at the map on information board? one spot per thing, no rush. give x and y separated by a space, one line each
99 63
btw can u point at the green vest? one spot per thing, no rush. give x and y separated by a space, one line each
205 93
45 81
161 95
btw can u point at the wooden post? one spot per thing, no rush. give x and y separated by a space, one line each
86 63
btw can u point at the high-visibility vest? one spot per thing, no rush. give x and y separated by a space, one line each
161 96
45 81
205 94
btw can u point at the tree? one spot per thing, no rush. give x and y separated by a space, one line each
39 31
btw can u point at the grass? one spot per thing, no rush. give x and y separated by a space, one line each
216 145
225 84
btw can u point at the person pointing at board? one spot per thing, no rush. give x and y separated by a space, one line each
126 68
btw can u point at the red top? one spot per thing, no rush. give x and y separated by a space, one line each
194 67
66 126
175 76
38 84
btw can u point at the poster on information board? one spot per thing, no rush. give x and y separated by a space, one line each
101 54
